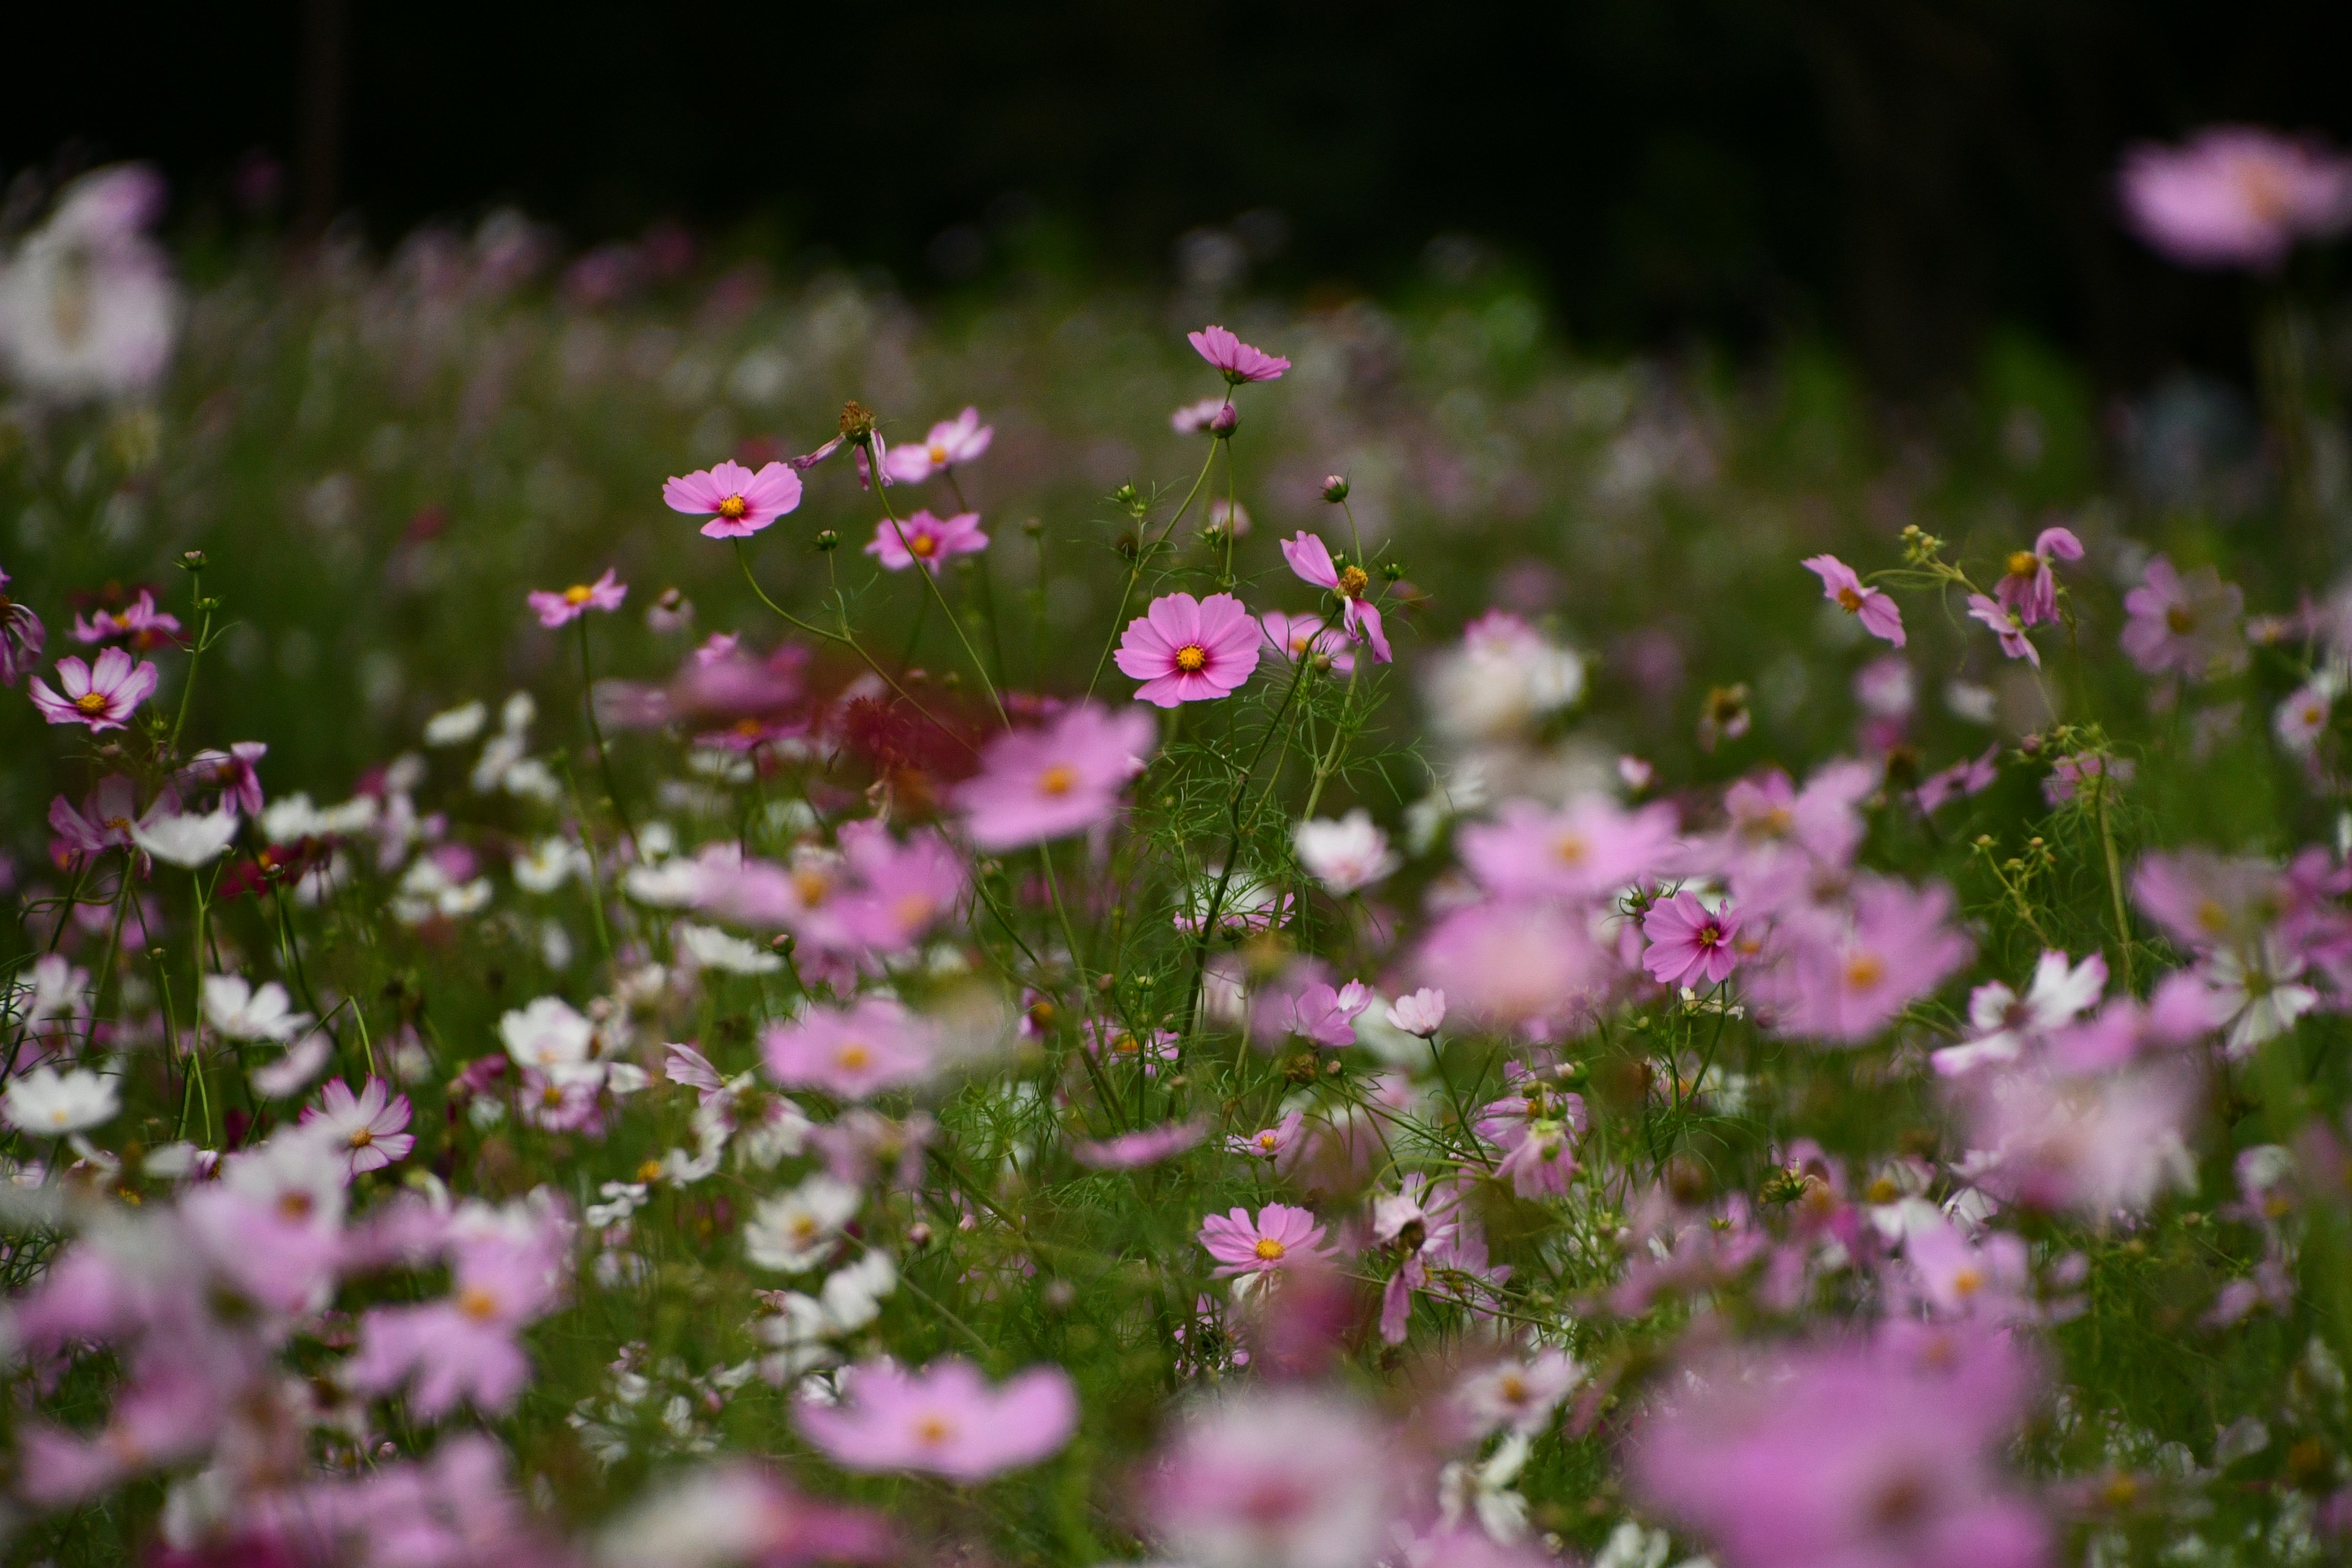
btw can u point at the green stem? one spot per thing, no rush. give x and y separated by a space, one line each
924 570
603 753
1143 550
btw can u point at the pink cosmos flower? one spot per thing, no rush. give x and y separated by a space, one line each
2006 1023
2007 624
1422 1013
1111 1042
1516 1395
102 696
506 1269
1588 848
1317 1013
2188 624
1280 1237
854 1052
944 1420
21 636
106 818
1688 942
1537 1130
2302 718
1515 960
2069 775
2029 587
904 888
926 539
738 502
1878 1454
1238 360
951 441
1990 1280
1145 1146
235 773
1310 558
369 1126
2097 1143
1843 979
1308 637
555 609
1286 1474
2236 196
1960 779
138 624
1270 1142
1880 615
1189 650
1036 784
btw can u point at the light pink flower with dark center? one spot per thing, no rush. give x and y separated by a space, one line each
925 540
1145 1146
369 1127
1239 361
951 441
943 1420
1190 650
2007 624
854 1052
101 695
1689 944
1036 784
2029 587
738 501
1879 615
1280 1237
2185 625
2236 196
555 609
1310 558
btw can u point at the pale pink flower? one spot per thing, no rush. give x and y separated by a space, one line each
1239 361
2005 1024
1844 978
2185 625
1989 1279
106 818
2236 196
1515 960
1317 1013
1519 1396
951 441
1959 781
1036 784
2029 587
1422 1013
1195 418
1308 637
1189 650
852 1052
1270 1142
904 888
2097 1144
1285 1475
1310 558
738 502
1347 855
1880 617
2303 718
555 609
926 539
1591 847
1689 943
506 1269
101 695
943 1420
139 624
1145 1146
1280 1237
235 773
370 1126
2007 624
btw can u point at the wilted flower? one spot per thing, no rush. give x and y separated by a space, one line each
2008 624
1310 558
235 774
1189 650
21 636
2028 587
944 1420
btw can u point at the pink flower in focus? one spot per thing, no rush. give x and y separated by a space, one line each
555 609
1537 1130
951 441
2029 587
1189 650
738 501
926 539
1881 617
852 1052
101 695
369 1126
2186 625
1878 1454
2236 196
2008 626
1238 360
1689 944
1145 1146
1036 784
1588 848
1310 558
1844 979
1283 1475
1280 1237
943 1420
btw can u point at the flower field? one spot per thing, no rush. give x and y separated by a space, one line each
666 917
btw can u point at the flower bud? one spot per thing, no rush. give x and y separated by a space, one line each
827 540
192 561
783 942
1125 495
1224 422
1335 487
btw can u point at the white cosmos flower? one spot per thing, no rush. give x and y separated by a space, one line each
50 1104
547 1035
237 1010
794 1231
455 726
711 948
1345 855
189 841
553 862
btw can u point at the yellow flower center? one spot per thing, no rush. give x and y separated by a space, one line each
95 701
477 1304
1865 970
362 1137
1514 1388
814 887
1266 1140
295 1205
2021 564
578 594
1192 658
2211 916
854 1055
733 507
1967 1282
1571 848
1058 780
1353 582
933 1429
1269 1249
924 545
749 729
650 1171
1849 600
937 453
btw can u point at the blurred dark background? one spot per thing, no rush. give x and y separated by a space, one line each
1896 176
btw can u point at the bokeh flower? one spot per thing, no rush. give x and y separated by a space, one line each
945 1419
556 609
930 542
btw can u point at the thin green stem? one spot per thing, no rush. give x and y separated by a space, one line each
1143 550
604 752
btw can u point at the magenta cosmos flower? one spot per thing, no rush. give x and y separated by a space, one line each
927 538
2029 587
2007 624
1880 615
21 636
738 501
1036 784
944 1420
1310 558
1688 944
555 609
1280 1237
951 441
852 1052
2188 624
370 1128
2236 196
1238 360
1190 650
102 696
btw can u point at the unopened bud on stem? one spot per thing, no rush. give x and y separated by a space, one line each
1335 487
1224 422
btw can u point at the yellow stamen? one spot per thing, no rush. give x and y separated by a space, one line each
578 594
733 508
1269 1249
91 702
1058 780
1192 658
